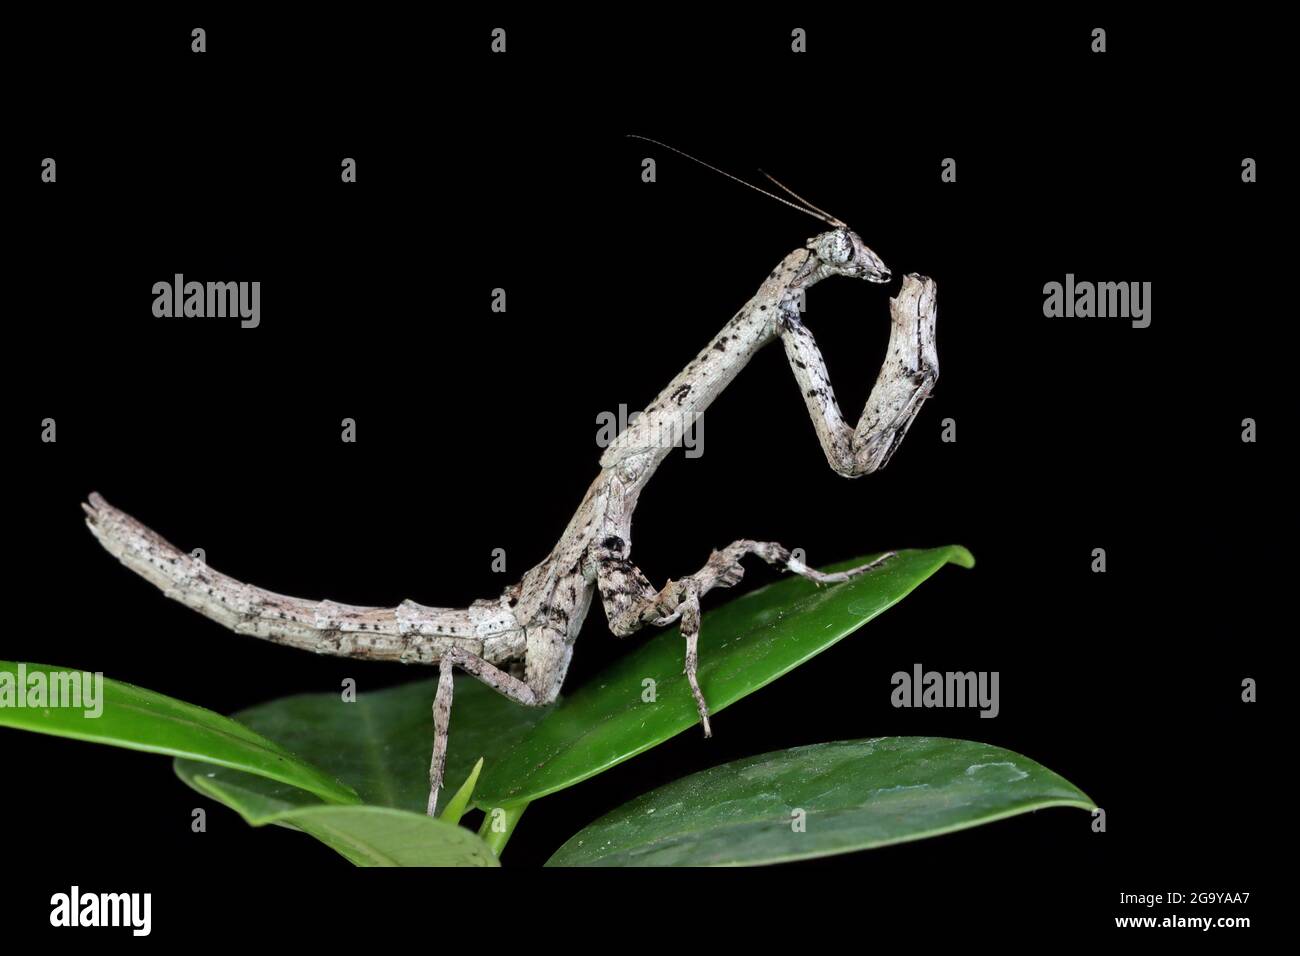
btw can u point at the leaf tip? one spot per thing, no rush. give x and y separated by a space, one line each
456 807
960 556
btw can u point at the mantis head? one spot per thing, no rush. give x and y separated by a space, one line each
842 252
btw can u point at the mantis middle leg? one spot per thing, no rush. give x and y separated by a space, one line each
631 602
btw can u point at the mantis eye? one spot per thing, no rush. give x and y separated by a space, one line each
842 248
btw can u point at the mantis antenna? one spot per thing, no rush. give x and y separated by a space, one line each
807 207
829 218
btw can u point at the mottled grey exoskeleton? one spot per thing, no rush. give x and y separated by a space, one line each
520 643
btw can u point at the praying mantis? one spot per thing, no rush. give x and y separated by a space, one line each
520 643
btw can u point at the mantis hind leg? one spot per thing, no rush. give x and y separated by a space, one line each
493 676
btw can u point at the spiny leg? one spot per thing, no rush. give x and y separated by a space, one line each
494 677
836 577
631 602
910 369
441 721
690 628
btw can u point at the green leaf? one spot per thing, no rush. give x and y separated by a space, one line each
380 744
855 794
455 809
140 719
744 645
382 836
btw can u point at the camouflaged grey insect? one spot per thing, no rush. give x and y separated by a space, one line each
521 642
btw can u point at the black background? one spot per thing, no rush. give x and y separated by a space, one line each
476 430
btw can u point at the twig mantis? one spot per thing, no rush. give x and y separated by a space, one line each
520 643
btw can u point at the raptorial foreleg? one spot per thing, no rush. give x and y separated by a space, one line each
910 369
